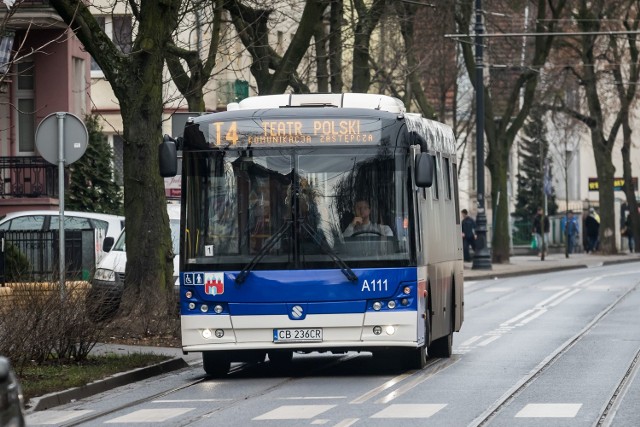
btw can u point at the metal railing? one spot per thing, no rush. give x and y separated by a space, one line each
27 177
27 256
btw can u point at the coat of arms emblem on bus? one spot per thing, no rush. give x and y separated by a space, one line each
214 283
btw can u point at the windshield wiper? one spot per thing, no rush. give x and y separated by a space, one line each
346 270
242 276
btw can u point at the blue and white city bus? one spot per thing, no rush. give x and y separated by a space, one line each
267 268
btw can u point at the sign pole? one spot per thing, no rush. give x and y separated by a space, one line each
61 242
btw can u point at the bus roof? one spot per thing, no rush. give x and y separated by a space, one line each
340 100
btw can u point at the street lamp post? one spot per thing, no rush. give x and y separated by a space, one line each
481 257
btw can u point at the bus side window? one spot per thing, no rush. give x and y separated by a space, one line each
447 178
436 173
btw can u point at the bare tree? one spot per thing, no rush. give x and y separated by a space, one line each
251 23
136 80
607 69
192 73
510 101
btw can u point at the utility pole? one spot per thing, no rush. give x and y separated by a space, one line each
481 257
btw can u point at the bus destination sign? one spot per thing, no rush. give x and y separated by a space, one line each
294 132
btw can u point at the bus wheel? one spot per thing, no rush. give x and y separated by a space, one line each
280 357
416 358
216 364
442 347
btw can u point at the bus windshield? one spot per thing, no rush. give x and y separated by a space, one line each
294 208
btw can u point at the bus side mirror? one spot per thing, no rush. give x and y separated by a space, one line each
168 157
424 170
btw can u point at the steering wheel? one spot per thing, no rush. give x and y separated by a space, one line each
374 232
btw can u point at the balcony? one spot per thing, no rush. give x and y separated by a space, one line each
27 177
33 13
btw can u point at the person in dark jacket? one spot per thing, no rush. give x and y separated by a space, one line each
592 229
468 234
537 230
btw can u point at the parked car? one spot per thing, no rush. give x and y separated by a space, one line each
43 220
107 284
11 400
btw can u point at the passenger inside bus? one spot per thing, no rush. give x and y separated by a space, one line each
362 224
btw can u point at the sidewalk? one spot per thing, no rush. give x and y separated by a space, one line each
531 264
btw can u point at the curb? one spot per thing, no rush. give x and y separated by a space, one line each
542 270
51 400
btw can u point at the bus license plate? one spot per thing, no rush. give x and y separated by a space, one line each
297 335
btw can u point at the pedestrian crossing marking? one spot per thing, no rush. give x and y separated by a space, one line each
295 412
549 410
150 415
409 410
54 417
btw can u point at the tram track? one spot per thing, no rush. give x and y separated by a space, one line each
234 370
609 409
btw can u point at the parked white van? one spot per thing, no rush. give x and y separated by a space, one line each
106 225
108 281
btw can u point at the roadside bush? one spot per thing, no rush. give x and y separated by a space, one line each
16 264
38 324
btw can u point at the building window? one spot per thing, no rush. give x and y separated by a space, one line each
79 90
118 160
118 28
26 130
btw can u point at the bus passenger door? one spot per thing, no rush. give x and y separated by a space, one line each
415 198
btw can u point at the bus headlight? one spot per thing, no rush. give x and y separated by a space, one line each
188 294
219 333
218 309
406 290
377 330
192 305
204 308
390 330
377 305
391 304
206 334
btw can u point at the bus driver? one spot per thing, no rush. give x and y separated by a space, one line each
362 224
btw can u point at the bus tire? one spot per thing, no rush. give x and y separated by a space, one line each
442 347
216 364
416 358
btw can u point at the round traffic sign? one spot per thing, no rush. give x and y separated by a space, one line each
75 138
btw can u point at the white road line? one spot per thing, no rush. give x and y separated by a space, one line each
150 415
189 400
347 422
295 412
53 417
551 298
532 317
421 376
471 341
488 340
516 318
368 395
312 397
549 410
409 411
559 300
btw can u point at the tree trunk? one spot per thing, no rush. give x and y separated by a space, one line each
136 80
605 171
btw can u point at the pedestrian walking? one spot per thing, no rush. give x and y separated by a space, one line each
468 234
592 229
538 230
571 232
628 233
